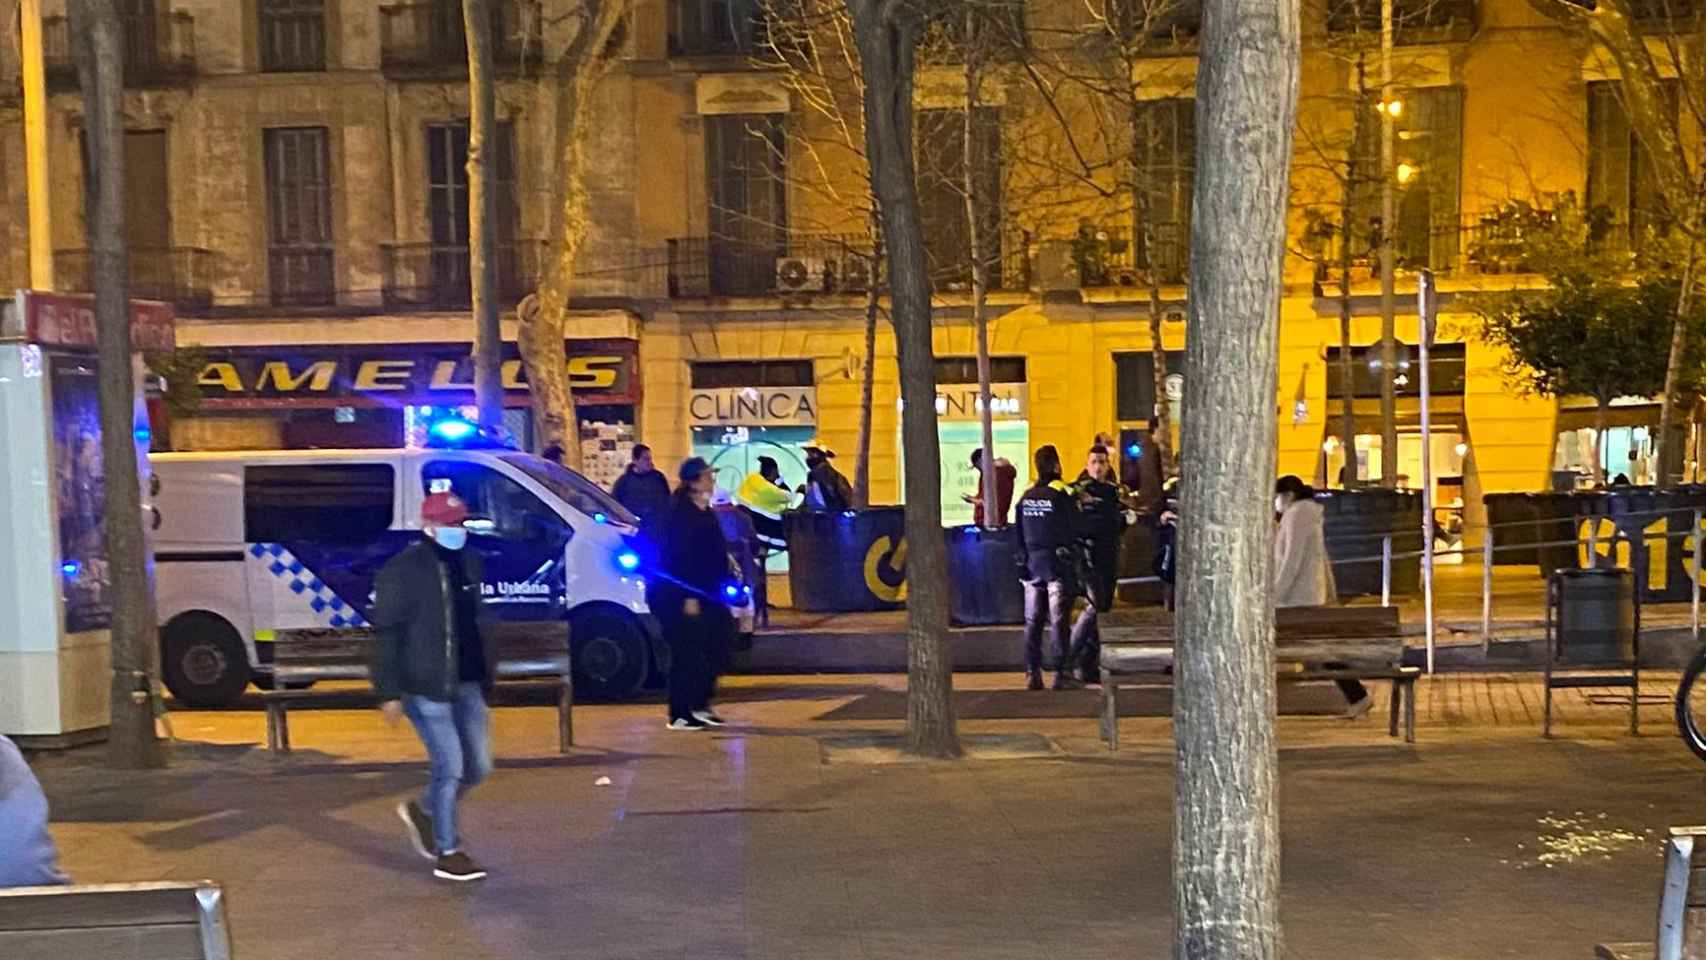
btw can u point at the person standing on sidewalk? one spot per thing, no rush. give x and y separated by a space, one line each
28 857
1303 575
1102 505
687 595
433 663
1049 527
642 488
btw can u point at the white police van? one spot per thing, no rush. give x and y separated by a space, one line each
254 545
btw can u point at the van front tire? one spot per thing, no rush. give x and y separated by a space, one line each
203 660
611 657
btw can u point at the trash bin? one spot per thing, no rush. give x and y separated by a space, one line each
983 576
1596 616
1356 522
847 561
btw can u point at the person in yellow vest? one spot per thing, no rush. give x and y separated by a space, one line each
765 497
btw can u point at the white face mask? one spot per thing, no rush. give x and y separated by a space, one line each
1279 503
450 538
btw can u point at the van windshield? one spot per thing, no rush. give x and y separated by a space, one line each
574 489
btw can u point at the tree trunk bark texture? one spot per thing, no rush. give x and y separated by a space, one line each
887 37
1388 263
483 216
1163 435
1668 462
99 52
1226 834
867 391
969 160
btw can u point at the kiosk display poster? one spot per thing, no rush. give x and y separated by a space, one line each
80 491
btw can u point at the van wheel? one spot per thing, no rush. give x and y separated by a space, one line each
609 655
203 660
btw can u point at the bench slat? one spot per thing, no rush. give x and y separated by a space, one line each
174 941
35 908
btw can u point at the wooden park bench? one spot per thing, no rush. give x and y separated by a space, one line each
524 663
136 921
1315 643
1682 905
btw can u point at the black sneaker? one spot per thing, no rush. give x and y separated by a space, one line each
1033 680
709 718
687 723
1066 682
415 818
458 866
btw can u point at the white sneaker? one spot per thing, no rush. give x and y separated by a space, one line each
1360 709
685 723
708 718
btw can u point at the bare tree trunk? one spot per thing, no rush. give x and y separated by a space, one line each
1388 306
135 642
1163 434
969 169
1226 835
1602 407
483 216
887 36
1668 464
1347 374
867 391
543 319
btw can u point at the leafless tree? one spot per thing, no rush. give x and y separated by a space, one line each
99 52
1226 811
886 33
483 215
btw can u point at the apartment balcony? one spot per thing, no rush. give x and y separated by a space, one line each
717 267
434 276
159 51
1109 257
181 276
1414 21
428 39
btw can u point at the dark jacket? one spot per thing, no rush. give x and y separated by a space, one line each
693 557
646 495
1104 515
1050 524
833 491
415 651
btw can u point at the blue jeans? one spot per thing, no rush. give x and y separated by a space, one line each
458 739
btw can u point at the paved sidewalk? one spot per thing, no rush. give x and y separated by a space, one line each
782 838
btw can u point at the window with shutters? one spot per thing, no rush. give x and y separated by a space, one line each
1427 171
293 35
746 170
940 151
1622 193
299 216
447 209
1165 157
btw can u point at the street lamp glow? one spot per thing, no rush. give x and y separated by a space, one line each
1406 172
1392 108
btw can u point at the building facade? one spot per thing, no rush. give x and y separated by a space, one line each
296 186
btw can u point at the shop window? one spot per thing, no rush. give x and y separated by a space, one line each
346 502
299 216
752 373
1134 383
1445 375
293 35
964 370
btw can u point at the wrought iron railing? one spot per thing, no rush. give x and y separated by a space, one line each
159 50
182 276
435 276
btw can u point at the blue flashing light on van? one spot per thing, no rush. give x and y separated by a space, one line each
628 560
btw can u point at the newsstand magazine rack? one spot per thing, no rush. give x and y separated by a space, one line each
1589 672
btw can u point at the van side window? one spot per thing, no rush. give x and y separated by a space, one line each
320 501
516 513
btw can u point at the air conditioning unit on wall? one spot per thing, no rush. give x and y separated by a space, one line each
801 274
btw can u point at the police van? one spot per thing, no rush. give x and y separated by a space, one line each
253 546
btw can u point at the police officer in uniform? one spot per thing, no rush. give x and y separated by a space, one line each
1101 504
1049 527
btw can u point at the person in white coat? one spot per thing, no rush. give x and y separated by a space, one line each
1303 573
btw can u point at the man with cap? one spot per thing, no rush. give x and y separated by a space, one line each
827 489
434 663
687 594
1050 524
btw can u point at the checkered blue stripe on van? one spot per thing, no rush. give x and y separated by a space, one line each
302 582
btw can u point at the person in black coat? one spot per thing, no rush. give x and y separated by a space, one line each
686 593
643 489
